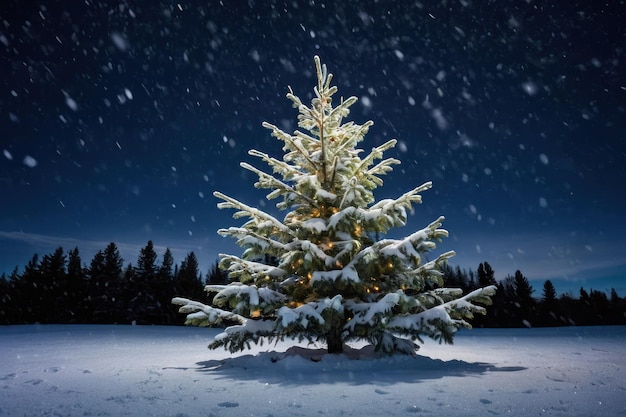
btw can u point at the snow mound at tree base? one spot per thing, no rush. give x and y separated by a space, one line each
355 365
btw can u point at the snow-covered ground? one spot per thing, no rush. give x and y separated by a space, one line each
168 371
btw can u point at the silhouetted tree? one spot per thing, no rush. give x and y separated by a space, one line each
486 275
74 289
215 275
166 268
144 302
549 292
549 311
497 312
5 300
524 300
163 287
598 308
617 307
46 303
106 293
12 302
189 279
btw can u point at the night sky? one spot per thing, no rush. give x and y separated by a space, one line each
119 119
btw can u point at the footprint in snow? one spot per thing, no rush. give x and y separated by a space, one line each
34 381
228 404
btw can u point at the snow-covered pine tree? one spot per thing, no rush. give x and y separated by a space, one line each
331 281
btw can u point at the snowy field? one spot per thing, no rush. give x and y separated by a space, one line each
168 371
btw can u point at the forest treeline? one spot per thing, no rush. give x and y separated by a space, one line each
59 288
516 303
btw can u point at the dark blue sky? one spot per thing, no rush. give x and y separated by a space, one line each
119 119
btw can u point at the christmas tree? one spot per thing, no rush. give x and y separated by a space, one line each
321 274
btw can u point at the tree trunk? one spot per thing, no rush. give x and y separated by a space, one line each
335 344
333 338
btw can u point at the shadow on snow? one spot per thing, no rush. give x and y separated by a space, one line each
301 366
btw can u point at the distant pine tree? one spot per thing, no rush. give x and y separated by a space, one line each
105 286
51 286
144 302
486 275
524 300
549 292
188 280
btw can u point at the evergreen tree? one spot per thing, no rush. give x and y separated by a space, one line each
549 292
74 288
145 305
164 286
549 310
617 307
333 281
523 289
29 289
189 279
599 308
128 284
105 286
215 275
524 300
6 295
117 295
47 303
146 263
486 275
17 298
166 270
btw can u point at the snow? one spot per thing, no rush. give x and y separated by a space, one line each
76 370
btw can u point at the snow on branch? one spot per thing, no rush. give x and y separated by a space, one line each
251 293
405 201
411 246
432 269
293 142
302 315
269 181
258 216
369 313
245 270
442 320
382 167
253 242
310 250
289 172
381 216
348 273
199 314
236 338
